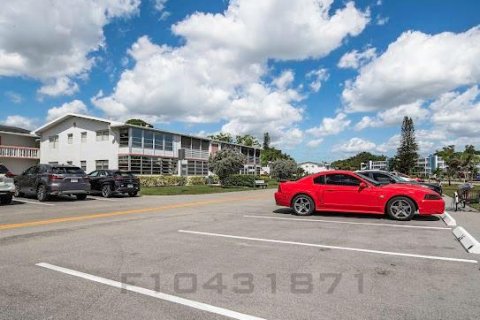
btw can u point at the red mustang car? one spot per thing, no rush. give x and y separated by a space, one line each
346 191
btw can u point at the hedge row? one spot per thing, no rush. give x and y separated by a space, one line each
171 181
240 180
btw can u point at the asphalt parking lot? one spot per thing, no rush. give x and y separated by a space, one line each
220 256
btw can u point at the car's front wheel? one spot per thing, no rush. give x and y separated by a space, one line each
17 192
42 194
133 193
303 205
401 208
106 191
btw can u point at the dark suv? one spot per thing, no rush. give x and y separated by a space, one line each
46 180
108 182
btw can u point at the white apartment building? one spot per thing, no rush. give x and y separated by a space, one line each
313 167
94 143
374 165
18 149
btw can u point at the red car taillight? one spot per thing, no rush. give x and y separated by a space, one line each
432 197
54 177
9 175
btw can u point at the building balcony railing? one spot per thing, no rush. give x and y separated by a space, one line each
196 154
19 152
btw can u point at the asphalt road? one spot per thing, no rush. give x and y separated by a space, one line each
224 256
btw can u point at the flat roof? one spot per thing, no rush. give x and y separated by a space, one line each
117 124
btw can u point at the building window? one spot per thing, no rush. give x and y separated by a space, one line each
168 142
148 165
158 141
83 165
123 163
70 138
148 139
83 137
186 142
137 137
101 164
53 141
197 168
103 135
124 137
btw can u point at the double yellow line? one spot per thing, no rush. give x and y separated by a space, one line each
124 213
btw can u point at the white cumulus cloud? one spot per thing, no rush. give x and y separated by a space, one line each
330 126
355 145
20 122
355 59
219 73
50 40
417 66
75 106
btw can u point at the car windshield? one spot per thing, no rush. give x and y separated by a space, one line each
375 183
67 170
3 169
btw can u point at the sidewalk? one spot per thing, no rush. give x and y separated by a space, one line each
467 217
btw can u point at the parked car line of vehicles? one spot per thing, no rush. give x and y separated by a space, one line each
346 191
46 180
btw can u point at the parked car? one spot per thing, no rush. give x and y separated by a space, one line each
110 182
402 178
346 191
7 187
45 180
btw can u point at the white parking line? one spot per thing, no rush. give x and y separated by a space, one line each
330 247
34 202
348 222
151 293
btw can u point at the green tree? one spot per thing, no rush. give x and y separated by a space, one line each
407 152
266 141
272 154
247 140
139 122
452 162
225 137
225 163
469 160
354 163
283 169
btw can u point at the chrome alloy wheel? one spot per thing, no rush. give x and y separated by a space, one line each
401 209
302 205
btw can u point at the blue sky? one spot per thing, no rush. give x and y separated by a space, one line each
326 79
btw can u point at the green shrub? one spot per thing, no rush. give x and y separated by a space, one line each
213 179
240 180
196 181
162 181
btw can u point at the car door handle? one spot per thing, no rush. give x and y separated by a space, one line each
329 190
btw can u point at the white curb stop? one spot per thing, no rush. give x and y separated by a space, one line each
448 219
467 240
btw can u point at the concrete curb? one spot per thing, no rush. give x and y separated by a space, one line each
467 240
448 219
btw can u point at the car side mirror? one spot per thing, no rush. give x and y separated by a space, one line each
362 185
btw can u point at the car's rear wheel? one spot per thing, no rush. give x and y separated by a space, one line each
7 199
106 191
42 194
401 208
81 196
303 205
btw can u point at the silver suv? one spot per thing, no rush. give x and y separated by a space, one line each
7 187
45 180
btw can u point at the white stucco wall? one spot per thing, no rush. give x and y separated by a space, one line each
78 151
